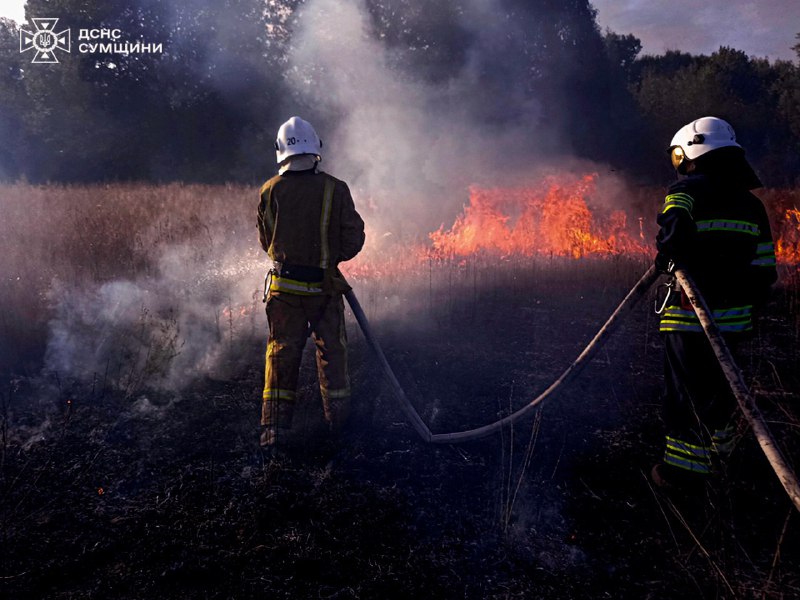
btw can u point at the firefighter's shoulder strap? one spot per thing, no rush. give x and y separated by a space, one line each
332 279
334 282
266 220
325 222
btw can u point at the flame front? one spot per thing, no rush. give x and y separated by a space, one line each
560 216
552 219
787 244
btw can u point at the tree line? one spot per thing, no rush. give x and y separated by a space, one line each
206 108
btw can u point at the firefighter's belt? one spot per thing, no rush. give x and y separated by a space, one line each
299 272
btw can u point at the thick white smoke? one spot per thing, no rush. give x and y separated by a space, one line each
194 317
407 145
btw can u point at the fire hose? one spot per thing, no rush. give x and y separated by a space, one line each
571 371
733 374
739 388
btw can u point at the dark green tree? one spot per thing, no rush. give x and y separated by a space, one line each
207 107
622 50
13 103
541 66
754 95
196 111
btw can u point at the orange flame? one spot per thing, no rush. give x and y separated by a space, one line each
551 220
787 244
559 216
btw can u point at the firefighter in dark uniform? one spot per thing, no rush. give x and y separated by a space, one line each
712 226
307 224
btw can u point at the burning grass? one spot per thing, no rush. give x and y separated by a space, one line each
552 218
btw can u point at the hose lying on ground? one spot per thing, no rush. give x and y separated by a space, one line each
734 375
743 396
630 300
731 371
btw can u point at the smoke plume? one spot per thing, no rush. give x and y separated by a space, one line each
411 145
410 136
191 319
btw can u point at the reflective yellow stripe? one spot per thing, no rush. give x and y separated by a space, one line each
684 455
680 200
278 394
292 286
723 313
668 326
765 248
687 464
765 261
741 312
342 393
324 224
686 448
738 318
765 255
270 220
745 227
268 206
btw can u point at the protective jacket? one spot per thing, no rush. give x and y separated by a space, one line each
720 234
308 222
712 226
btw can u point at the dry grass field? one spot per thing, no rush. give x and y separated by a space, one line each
130 372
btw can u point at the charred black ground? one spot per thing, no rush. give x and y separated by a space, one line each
165 495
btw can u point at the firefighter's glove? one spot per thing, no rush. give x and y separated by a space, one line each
335 283
664 264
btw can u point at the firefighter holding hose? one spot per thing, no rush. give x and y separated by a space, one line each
712 226
307 224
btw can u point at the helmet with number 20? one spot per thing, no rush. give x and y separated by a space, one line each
295 137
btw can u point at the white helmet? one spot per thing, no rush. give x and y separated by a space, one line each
700 137
297 136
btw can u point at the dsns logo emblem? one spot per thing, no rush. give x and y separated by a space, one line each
44 40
